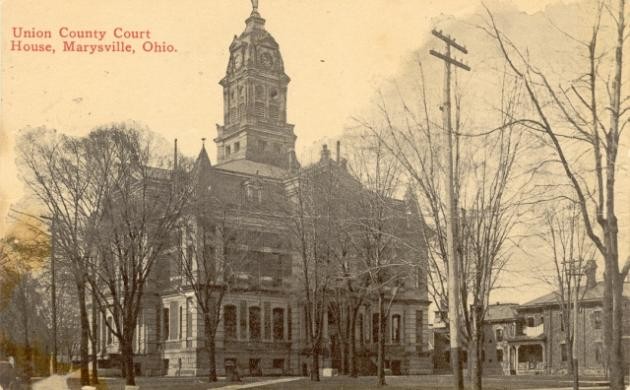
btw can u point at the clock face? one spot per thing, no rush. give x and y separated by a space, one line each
266 59
238 60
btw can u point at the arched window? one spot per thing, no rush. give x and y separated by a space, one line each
278 324
254 323
229 321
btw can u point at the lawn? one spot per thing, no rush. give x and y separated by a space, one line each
430 382
419 382
192 383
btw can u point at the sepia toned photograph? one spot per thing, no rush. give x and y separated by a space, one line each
300 194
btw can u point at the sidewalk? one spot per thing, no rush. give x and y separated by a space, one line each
261 383
54 382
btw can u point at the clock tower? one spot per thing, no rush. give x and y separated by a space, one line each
255 124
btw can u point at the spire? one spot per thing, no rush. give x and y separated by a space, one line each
175 156
203 155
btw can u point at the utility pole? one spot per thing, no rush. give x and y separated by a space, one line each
53 288
575 271
451 207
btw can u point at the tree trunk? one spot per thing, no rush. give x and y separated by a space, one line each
381 341
352 351
127 356
344 361
568 341
28 352
315 363
85 328
476 361
616 366
94 340
211 347
212 361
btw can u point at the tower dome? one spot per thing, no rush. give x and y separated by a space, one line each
255 124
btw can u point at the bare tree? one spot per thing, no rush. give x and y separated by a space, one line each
582 116
484 166
310 214
572 255
377 234
141 207
53 167
25 249
213 261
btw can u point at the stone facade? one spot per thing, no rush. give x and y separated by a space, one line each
262 328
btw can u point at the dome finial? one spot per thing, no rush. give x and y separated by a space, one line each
254 6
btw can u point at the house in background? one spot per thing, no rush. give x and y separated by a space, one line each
530 338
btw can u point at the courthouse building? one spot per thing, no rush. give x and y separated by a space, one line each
262 328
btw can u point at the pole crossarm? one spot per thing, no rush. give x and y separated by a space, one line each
450 60
449 41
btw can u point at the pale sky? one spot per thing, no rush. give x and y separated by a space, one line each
336 52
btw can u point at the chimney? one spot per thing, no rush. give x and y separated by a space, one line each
175 156
325 153
338 151
590 270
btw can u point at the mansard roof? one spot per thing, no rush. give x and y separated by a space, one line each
249 167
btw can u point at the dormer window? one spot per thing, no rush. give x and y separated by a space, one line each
253 191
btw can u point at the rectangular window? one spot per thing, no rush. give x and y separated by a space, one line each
174 321
597 319
103 332
243 320
227 150
267 324
530 321
189 317
396 328
289 324
109 331
499 333
278 323
254 323
229 321
278 364
181 320
375 327
563 352
360 327
237 147
499 355
598 352
419 325
165 319
158 321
